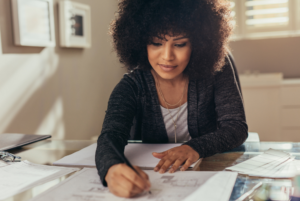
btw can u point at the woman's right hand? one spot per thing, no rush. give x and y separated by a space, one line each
122 181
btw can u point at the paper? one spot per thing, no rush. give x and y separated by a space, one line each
252 137
297 164
2 163
139 154
84 157
272 163
21 176
188 186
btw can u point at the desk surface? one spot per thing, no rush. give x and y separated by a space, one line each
48 151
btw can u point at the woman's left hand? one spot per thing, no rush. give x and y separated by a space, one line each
176 157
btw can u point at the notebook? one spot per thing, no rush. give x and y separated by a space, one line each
15 140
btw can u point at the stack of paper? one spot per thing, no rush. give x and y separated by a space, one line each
20 176
188 186
272 163
139 154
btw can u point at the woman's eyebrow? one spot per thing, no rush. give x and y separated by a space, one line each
180 38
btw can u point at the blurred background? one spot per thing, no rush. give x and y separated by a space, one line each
266 47
64 91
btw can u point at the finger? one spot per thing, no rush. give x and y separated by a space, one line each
132 176
118 190
160 163
167 164
143 175
129 186
176 165
186 165
160 155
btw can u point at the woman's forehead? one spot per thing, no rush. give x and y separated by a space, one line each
170 37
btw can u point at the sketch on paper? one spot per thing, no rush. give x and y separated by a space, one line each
86 186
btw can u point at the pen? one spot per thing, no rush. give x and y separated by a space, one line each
247 194
123 157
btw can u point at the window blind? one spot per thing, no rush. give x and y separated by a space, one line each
266 13
233 12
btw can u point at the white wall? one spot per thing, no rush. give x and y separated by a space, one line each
263 104
268 55
58 91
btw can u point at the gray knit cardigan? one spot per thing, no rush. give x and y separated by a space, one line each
216 117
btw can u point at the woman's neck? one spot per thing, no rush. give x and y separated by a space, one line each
173 91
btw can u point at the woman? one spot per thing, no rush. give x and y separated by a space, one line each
181 87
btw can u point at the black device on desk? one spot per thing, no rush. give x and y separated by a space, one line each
14 140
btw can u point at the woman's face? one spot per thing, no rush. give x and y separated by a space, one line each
169 56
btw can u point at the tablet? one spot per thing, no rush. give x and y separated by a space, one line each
16 140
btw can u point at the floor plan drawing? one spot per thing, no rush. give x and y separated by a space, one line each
86 186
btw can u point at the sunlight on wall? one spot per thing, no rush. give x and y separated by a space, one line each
20 76
53 122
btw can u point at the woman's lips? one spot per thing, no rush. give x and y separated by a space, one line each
167 67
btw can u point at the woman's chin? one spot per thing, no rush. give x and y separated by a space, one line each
168 74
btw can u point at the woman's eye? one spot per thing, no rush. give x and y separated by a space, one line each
156 44
180 45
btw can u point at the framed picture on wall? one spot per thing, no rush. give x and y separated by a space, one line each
75 24
33 22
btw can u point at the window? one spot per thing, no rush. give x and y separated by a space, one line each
265 18
266 13
233 12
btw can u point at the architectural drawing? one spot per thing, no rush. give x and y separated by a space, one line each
85 186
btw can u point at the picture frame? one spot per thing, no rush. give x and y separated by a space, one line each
74 24
33 23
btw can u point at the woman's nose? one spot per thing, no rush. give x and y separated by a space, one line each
168 53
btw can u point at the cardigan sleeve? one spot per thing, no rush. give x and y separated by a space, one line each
232 129
122 106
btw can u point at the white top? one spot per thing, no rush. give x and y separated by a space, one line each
182 133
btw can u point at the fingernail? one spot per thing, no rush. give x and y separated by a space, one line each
156 169
161 171
182 169
171 170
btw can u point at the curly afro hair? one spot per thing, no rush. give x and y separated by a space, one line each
205 22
